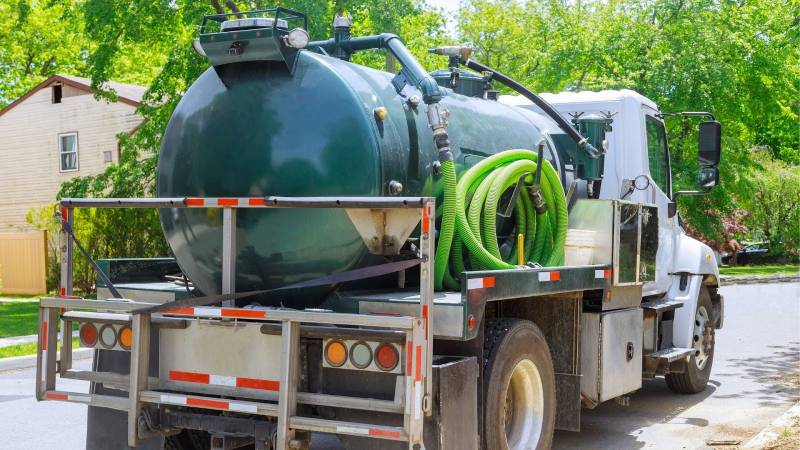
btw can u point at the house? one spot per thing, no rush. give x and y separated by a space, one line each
57 131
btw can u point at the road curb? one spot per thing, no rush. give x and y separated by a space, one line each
731 280
24 362
773 430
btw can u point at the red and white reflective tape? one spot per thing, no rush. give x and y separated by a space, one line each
237 202
224 405
233 313
602 273
480 283
63 294
550 276
67 396
223 380
427 213
375 432
43 337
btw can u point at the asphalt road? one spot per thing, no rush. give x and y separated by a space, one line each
756 377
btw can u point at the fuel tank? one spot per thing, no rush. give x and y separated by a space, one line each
254 128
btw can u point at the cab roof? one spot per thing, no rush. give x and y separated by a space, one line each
608 99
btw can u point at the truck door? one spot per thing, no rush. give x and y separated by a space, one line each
659 192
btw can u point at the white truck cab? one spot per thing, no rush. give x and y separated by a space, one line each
636 146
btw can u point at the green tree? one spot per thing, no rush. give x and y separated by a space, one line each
39 39
774 204
738 59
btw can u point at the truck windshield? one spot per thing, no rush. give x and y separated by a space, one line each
658 154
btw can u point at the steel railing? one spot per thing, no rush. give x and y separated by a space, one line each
414 401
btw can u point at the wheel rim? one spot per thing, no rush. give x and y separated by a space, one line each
523 413
702 339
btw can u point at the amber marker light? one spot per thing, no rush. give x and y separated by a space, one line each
125 337
336 353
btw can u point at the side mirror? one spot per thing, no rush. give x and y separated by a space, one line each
708 177
709 142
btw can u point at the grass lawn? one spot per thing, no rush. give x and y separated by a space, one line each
773 269
18 318
27 349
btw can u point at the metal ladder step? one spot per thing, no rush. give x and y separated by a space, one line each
349 428
669 355
215 403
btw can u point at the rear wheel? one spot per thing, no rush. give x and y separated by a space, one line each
697 370
519 387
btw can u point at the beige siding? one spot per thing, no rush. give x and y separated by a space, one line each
23 259
29 152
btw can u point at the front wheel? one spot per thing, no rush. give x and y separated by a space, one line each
697 370
519 387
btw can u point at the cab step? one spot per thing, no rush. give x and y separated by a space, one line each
662 305
666 360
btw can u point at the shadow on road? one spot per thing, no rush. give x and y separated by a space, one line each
776 374
615 426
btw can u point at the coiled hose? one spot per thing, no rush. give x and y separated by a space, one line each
469 216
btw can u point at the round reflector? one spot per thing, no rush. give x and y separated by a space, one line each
88 335
336 353
108 336
360 355
386 357
472 322
125 337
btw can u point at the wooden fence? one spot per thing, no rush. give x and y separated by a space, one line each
23 262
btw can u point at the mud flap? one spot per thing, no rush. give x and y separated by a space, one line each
454 422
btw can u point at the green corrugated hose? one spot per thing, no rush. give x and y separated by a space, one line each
469 216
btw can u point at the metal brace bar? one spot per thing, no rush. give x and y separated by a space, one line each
396 322
287 398
426 295
140 358
228 254
415 389
42 355
68 216
263 202
50 349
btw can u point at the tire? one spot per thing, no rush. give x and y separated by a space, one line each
698 369
526 401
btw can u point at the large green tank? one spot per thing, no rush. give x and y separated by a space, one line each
256 128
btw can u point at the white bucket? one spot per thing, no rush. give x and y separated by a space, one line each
579 247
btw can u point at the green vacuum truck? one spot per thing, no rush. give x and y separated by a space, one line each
402 260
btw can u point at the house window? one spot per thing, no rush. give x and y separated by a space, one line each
107 156
68 151
57 93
